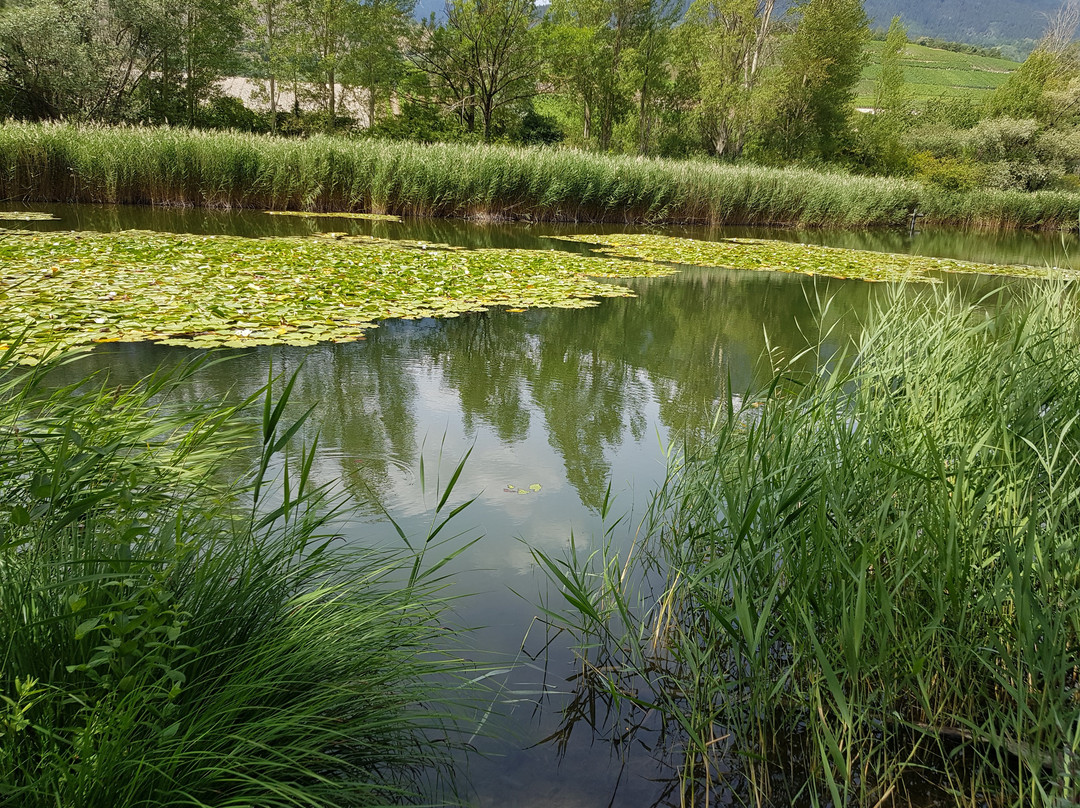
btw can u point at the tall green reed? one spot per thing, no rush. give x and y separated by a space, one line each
159 166
873 563
171 637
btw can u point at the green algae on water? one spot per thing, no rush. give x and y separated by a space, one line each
67 289
808 259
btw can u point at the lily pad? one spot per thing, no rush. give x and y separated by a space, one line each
808 259
26 216
513 489
65 289
371 217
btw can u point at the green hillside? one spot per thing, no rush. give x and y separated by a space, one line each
932 73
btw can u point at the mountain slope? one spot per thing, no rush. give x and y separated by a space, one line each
975 21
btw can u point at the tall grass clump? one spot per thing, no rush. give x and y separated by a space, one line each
869 574
162 166
170 638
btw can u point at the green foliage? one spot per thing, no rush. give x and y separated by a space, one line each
724 44
171 637
537 129
223 112
881 135
806 113
948 173
1023 95
875 559
484 59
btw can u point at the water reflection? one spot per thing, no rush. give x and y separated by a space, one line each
566 401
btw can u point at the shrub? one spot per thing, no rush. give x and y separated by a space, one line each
947 173
1003 139
936 139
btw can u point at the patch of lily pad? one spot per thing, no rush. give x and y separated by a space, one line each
808 259
71 289
370 217
26 216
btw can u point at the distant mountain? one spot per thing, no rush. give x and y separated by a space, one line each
975 21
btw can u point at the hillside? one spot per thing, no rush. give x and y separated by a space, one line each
932 73
975 21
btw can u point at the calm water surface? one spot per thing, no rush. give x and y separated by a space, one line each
569 400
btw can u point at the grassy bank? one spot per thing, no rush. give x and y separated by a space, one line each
868 575
57 163
170 638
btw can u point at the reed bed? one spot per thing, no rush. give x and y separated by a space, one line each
162 166
868 575
170 638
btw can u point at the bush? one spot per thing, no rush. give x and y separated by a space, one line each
539 130
936 139
1003 139
226 112
1019 175
947 173
1058 145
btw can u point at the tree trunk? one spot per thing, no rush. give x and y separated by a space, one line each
331 108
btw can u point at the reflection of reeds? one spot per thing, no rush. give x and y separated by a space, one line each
879 559
63 163
168 638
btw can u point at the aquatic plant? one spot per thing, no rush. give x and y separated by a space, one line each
25 216
807 259
170 637
309 214
161 166
866 577
78 289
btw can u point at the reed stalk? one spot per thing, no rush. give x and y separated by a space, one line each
162 166
873 565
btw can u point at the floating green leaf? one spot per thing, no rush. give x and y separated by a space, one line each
372 217
26 216
513 489
809 259
65 289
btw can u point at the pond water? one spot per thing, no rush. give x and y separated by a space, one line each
558 403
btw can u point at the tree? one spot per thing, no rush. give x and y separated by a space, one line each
277 46
650 61
813 88
726 44
210 32
375 57
1047 85
329 27
883 130
78 59
486 57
